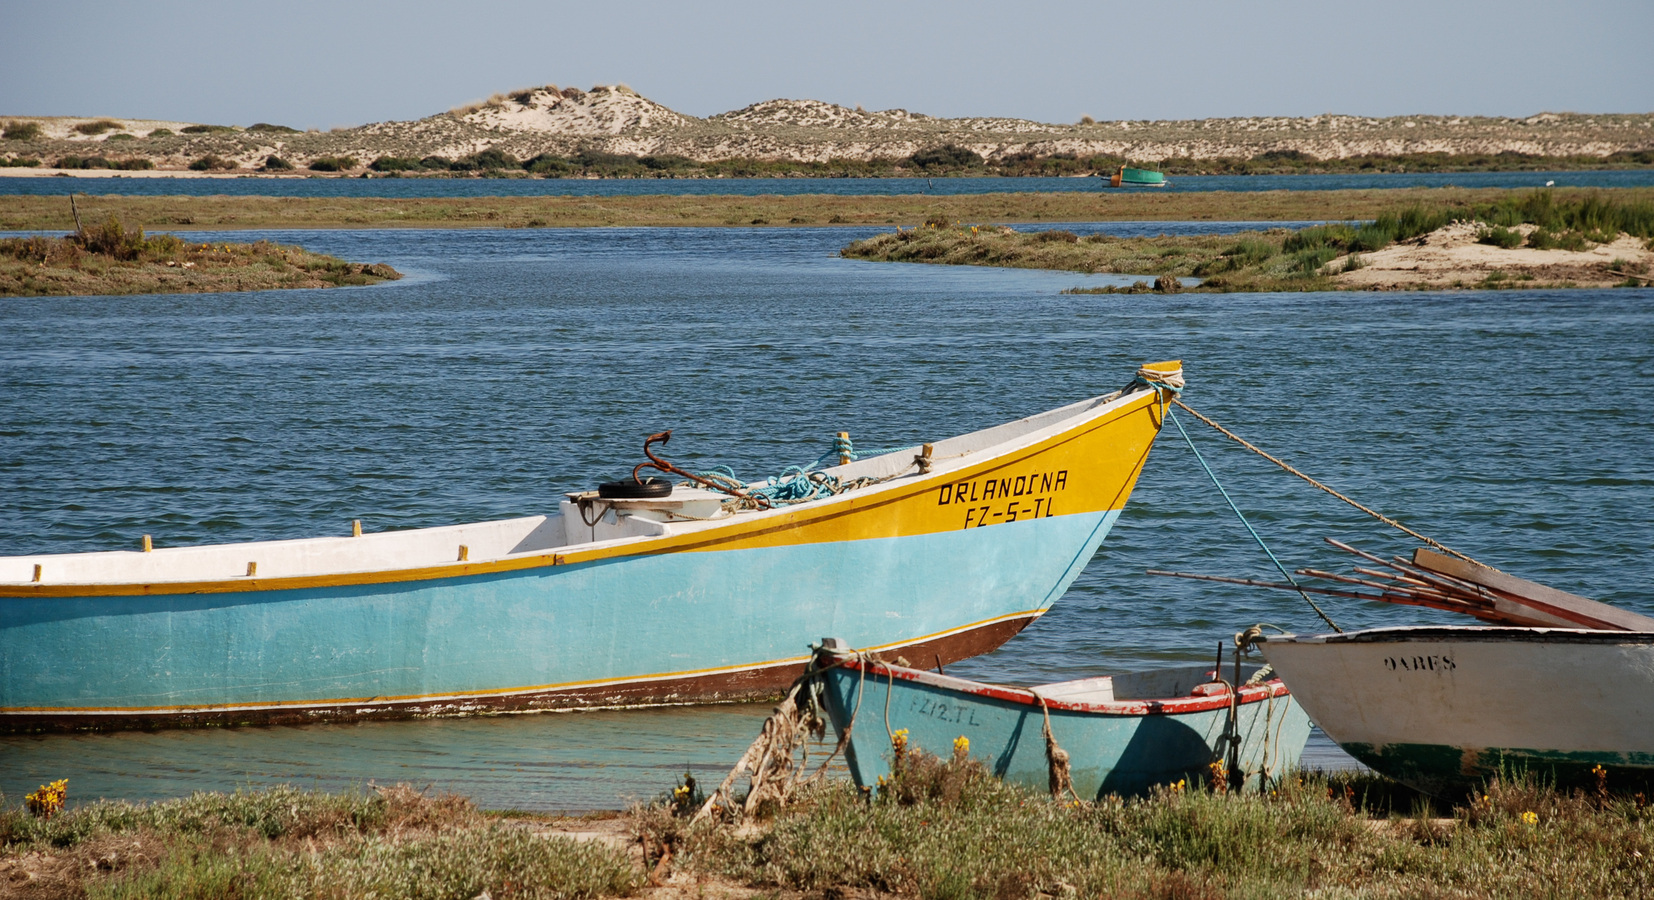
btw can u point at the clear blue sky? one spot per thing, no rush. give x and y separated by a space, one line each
310 64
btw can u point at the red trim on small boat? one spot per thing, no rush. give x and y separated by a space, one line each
1024 696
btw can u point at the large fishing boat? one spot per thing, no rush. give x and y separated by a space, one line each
641 593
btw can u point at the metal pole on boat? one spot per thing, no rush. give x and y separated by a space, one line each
1237 779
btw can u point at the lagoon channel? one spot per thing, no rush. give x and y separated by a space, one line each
511 366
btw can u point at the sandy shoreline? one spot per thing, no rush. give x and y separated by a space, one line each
1452 257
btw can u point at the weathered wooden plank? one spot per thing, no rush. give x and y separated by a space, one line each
1587 613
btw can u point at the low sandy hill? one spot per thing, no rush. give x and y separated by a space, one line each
616 119
604 110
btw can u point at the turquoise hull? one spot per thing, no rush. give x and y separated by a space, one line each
1119 747
671 627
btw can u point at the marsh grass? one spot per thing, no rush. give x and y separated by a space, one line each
1273 260
1252 261
1344 835
34 213
288 843
112 259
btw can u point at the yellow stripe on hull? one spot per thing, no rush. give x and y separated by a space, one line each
1089 468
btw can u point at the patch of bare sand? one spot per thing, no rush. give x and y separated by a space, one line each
1451 257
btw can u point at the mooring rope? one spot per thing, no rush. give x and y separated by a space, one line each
1172 383
1242 516
1318 485
1060 773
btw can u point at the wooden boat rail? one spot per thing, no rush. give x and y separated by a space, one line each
1212 694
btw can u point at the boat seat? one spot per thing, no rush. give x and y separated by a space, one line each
1083 690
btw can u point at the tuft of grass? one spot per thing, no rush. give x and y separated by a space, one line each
395 164
1251 251
21 131
100 162
82 162
210 162
1354 262
549 165
20 162
267 128
945 157
494 158
1311 261
332 164
160 132
1506 238
98 127
273 163
204 129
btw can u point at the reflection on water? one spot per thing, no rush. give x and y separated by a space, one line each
515 365
548 761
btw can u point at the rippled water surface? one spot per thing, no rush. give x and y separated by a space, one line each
624 187
511 366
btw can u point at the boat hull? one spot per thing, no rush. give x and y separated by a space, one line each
940 564
1445 709
1118 747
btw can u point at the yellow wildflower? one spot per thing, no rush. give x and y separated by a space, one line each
1530 818
961 745
48 799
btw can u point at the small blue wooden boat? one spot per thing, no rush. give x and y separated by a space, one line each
1123 733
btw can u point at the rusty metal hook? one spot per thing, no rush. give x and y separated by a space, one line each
662 465
655 462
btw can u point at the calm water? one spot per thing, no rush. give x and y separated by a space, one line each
539 187
511 366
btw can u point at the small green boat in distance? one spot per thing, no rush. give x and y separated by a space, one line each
1129 177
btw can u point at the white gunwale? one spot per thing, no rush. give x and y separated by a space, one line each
533 541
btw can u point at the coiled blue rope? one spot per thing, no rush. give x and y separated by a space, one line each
800 484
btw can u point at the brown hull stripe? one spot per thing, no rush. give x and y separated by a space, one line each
723 687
